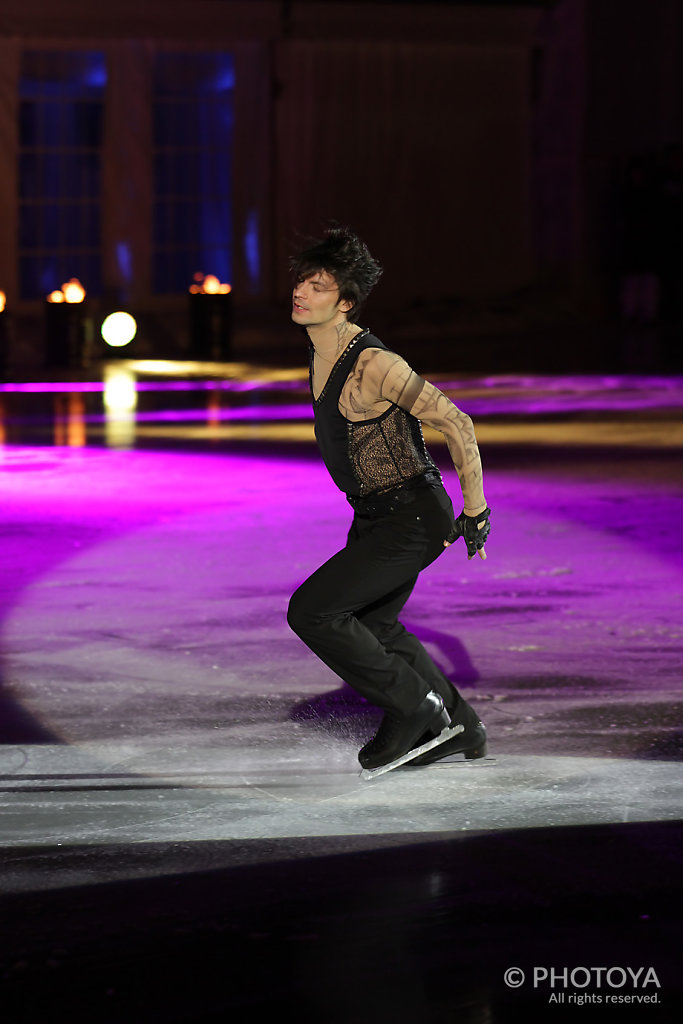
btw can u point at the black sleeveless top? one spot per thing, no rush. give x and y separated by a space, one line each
371 456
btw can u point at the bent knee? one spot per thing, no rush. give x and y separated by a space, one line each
308 611
299 613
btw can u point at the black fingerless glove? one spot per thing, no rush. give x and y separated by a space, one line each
468 527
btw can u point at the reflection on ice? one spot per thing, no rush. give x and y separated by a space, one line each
120 402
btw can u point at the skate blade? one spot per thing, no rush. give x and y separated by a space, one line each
447 734
456 761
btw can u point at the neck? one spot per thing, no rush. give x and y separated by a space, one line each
329 340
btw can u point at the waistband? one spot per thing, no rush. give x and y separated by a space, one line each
390 501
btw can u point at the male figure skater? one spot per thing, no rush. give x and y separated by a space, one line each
368 406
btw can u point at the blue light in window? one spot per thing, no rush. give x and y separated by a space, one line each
62 74
124 260
225 79
48 276
96 75
252 249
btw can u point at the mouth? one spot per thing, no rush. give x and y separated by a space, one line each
298 309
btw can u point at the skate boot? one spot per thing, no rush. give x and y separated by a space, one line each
398 734
470 741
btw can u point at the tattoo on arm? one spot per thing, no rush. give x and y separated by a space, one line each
377 379
353 393
362 397
380 377
434 409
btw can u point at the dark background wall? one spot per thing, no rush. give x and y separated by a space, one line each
480 148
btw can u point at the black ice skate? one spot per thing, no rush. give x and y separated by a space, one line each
470 740
394 742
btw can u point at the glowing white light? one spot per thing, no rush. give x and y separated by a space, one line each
120 395
119 329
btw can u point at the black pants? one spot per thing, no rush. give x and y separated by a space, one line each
347 611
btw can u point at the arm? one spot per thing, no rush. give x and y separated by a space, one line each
435 410
381 377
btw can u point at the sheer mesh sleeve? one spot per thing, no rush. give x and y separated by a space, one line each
429 405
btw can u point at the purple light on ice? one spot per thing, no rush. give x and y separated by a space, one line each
488 396
78 387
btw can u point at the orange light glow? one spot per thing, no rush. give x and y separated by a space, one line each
69 424
209 285
213 408
72 292
3 300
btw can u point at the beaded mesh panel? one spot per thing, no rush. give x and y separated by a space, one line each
388 451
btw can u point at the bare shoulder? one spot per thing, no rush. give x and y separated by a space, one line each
361 396
377 356
392 378
380 378
375 364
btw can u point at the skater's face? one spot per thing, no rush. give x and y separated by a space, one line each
316 302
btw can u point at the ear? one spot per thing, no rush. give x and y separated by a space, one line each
345 306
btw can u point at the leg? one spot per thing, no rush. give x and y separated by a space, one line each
381 619
346 612
376 571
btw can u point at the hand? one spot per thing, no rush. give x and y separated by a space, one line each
475 530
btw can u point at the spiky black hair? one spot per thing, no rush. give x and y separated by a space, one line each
346 257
